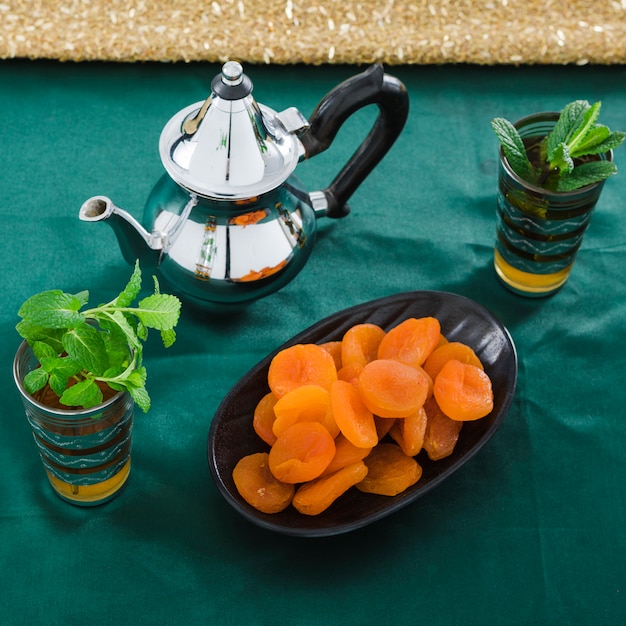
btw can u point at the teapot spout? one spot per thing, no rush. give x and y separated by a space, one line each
134 240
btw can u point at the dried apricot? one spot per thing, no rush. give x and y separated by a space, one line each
334 349
354 419
263 418
258 486
411 341
442 433
390 388
359 344
452 350
316 496
408 432
384 425
307 403
350 373
301 364
390 471
463 392
431 382
346 453
301 453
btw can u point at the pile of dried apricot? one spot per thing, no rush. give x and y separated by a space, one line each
356 412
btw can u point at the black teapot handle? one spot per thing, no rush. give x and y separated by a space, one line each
372 86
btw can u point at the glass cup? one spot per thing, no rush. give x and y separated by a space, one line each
539 232
85 452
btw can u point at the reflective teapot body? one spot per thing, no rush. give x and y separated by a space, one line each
211 251
230 222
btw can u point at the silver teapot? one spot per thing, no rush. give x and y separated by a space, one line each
229 222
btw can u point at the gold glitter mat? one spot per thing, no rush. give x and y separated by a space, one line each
317 31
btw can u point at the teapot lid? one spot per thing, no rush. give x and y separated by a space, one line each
229 146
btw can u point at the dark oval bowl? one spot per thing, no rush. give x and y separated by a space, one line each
231 435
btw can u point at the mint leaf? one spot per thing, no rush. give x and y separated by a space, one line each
61 369
58 382
159 311
611 142
83 296
138 377
586 174
585 125
61 363
85 344
102 344
86 393
168 337
132 289
117 351
41 350
562 159
52 309
142 332
141 397
134 382
35 380
121 329
32 333
512 146
593 138
567 122
116 371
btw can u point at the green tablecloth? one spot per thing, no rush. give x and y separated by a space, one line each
530 531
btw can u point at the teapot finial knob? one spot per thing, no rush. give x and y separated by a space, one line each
232 83
232 73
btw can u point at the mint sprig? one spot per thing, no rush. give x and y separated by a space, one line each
562 164
76 346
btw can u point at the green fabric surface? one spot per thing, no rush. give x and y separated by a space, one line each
530 531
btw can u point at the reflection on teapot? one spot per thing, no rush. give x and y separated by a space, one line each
229 222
